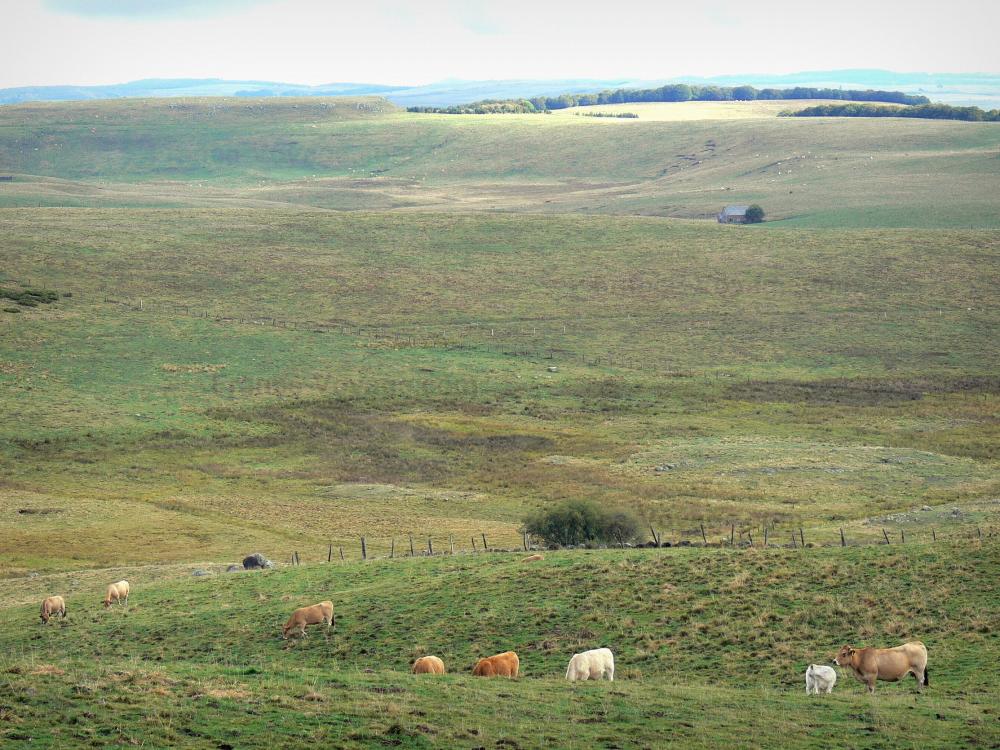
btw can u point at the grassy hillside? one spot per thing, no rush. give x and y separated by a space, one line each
360 153
294 378
710 646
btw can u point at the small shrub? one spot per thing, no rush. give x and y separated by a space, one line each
582 522
12 309
755 214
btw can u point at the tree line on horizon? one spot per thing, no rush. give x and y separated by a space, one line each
926 111
674 92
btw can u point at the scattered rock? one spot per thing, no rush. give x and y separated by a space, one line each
256 560
199 572
234 568
665 467
925 508
553 369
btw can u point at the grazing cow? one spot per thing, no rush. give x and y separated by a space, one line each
888 664
533 558
500 665
820 679
596 664
317 614
52 606
428 665
117 592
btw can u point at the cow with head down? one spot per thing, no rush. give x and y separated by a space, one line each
501 665
887 664
117 592
52 606
317 614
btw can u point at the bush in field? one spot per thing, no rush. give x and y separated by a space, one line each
755 214
29 297
581 522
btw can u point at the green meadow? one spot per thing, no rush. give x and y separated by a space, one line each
231 326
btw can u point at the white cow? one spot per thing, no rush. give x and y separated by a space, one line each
592 665
820 678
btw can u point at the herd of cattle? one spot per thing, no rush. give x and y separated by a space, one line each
867 664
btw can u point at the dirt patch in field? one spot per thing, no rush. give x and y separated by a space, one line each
858 392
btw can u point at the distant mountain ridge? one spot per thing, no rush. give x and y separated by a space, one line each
965 89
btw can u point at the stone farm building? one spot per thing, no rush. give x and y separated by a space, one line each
733 215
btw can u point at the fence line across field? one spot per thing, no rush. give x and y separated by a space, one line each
769 537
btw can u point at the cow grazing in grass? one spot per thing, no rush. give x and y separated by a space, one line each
596 664
820 679
317 614
888 664
117 592
52 606
501 665
428 665
532 558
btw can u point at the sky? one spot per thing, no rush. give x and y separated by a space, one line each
88 42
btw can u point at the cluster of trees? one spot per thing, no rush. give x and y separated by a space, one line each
582 522
928 111
619 115
754 214
674 92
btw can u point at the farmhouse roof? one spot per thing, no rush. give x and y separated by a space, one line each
735 210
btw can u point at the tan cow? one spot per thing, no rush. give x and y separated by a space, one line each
888 664
500 665
533 558
428 665
317 614
52 606
117 592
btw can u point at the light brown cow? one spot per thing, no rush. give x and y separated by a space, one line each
52 606
117 592
428 665
501 665
317 614
888 664
533 558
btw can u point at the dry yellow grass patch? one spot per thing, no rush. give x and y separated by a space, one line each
47 669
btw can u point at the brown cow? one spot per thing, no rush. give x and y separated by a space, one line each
888 664
428 665
52 606
533 558
117 592
501 665
317 614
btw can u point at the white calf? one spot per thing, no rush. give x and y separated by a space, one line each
820 679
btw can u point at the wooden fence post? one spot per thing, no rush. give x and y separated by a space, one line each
524 540
765 533
656 539
341 554
297 561
979 532
430 546
902 537
843 542
392 547
732 535
364 549
474 545
451 543
886 536
750 537
802 537
704 538
486 547
329 554
794 546
933 535
411 545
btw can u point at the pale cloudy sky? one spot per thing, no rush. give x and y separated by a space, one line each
411 41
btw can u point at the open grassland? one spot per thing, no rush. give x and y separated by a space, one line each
293 378
711 646
363 154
